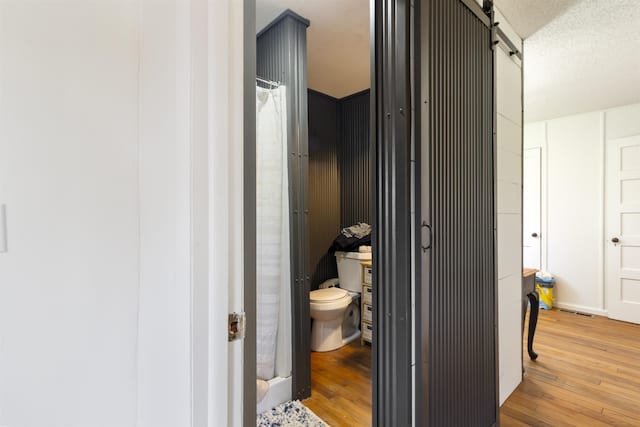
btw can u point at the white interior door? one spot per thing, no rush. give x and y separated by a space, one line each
531 202
623 229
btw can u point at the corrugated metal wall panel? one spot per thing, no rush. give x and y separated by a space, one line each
282 56
461 278
392 200
354 159
339 177
324 184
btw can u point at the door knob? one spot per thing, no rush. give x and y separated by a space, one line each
534 234
615 240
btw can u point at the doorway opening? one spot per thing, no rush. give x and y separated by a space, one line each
417 227
581 217
314 211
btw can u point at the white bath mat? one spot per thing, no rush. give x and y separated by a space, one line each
292 414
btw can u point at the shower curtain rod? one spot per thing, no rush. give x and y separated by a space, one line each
268 82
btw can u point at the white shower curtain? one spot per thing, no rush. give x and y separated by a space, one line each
273 262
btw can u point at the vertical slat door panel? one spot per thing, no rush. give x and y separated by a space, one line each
458 355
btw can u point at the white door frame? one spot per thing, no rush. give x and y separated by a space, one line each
226 177
191 77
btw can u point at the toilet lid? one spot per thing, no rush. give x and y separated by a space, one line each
327 295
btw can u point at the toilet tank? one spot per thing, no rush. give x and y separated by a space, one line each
350 269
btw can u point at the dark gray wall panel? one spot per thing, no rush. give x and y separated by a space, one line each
391 196
282 56
339 173
355 159
458 350
324 185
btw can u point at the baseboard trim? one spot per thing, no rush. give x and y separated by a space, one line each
581 309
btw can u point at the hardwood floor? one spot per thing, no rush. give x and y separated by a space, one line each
341 385
587 374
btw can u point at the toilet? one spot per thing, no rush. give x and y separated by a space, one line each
336 311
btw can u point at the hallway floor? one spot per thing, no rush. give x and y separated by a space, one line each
587 374
341 385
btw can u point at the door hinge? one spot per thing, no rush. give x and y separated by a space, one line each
236 326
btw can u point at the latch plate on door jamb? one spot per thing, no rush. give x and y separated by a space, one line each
236 326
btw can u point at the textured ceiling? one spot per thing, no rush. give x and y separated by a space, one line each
587 59
528 16
337 41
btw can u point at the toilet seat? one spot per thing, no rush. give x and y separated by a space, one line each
328 308
329 295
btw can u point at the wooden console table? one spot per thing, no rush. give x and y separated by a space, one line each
530 295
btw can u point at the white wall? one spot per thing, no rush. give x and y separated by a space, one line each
509 205
165 284
69 174
573 162
114 149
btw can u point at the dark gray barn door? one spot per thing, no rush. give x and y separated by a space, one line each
458 289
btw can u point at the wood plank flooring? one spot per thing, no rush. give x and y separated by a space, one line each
341 385
587 374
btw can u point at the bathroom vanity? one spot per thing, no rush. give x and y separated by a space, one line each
366 322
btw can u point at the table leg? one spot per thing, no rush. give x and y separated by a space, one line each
524 311
534 300
524 315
